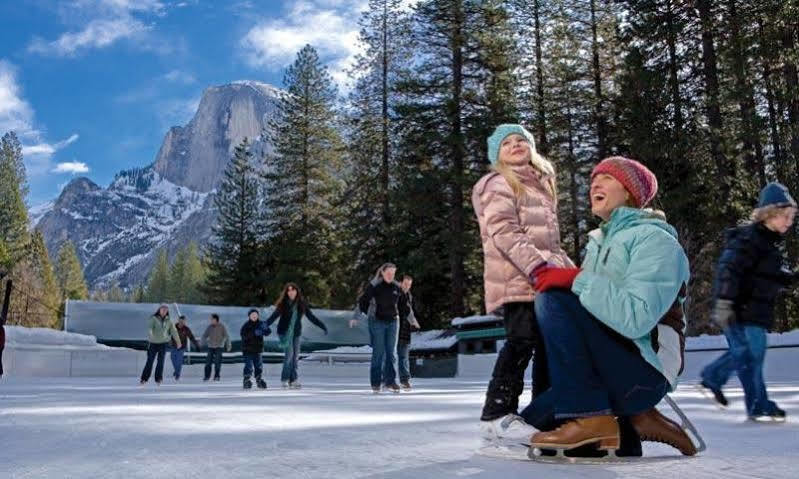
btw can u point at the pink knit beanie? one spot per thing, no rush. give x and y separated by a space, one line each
635 177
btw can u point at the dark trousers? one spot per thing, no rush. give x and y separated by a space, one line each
214 357
593 370
507 380
1 361
153 351
253 363
746 355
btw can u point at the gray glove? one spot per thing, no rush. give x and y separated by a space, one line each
723 314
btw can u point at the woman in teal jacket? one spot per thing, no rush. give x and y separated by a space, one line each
613 329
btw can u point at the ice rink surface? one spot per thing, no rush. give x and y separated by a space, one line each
332 428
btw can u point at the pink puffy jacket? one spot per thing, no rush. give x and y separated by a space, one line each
517 235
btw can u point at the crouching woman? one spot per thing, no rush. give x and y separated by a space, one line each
613 329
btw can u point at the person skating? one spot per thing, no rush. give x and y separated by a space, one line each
749 275
176 353
407 322
516 208
159 331
252 345
383 327
216 339
290 307
614 329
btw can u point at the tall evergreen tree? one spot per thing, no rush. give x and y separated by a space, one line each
235 275
13 189
69 273
302 180
158 283
195 276
49 294
178 277
372 136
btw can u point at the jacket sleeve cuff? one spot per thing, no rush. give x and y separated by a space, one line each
581 282
534 266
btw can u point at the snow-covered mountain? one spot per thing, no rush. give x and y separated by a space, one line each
117 230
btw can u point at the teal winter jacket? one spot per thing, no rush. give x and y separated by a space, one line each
634 279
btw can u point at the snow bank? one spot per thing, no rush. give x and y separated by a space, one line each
791 338
18 336
433 339
490 318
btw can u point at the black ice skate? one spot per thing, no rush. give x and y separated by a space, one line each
261 383
247 383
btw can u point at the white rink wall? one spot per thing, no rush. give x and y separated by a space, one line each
38 352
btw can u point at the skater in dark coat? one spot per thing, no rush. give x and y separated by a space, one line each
290 307
160 330
252 345
407 322
749 276
177 353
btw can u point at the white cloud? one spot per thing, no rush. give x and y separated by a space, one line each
97 34
103 23
73 167
329 26
177 76
18 116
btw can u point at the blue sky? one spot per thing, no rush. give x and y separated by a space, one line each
91 86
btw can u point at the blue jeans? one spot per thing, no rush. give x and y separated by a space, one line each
177 360
153 351
253 361
593 370
384 351
746 355
290 359
214 356
404 361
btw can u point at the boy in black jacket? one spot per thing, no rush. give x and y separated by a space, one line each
749 276
252 345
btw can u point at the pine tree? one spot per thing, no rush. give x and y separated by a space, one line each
69 273
115 294
195 276
49 294
302 180
372 138
13 189
235 275
158 283
178 277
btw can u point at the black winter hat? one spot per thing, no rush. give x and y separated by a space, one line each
253 310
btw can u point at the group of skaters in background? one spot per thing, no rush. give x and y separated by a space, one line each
608 336
385 303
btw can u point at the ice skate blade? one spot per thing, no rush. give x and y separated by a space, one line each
766 420
535 455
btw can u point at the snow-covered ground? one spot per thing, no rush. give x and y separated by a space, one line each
332 428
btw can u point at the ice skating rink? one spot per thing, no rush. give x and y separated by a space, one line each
332 428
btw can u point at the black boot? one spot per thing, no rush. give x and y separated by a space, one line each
247 382
260 382
501 399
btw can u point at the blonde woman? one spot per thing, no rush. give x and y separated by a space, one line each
516 207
